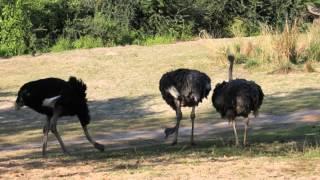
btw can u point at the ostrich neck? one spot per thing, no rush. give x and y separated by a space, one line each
230 71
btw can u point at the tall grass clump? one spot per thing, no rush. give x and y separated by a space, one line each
87 42
279 50
313 49
285 44
62 44
158 39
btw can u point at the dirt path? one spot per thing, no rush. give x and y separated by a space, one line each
124 139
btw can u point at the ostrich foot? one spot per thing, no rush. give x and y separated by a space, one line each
174 143
169 131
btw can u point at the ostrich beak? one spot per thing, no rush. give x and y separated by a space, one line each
17 106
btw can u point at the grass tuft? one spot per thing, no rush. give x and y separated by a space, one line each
159 39
280 51
87 42
62 44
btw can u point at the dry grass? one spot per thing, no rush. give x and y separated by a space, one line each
186 166
124 96
276 51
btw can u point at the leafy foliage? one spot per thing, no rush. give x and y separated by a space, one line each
40 24
62 45
88 42
14 29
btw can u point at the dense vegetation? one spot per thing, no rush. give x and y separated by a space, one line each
27 26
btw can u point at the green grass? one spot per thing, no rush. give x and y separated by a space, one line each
62 44
84 42
159 39
251 63
314 50
87 42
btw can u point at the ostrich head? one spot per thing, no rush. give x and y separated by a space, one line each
23 93
231 61
19 103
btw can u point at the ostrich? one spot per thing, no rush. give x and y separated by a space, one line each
183 88
54 98
237 97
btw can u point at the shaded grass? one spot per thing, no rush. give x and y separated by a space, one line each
130 114
280 143
281 103
123 114
274 140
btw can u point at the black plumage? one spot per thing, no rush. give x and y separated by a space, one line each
54 98
238 97
183 88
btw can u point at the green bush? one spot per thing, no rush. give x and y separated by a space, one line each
251 63
62 44
36 25
3 51
244 28
238 28
87 42
314 51
166 39
15 28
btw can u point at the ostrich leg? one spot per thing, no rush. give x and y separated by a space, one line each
175 129
192 116
54 130
98 146
46 129
235 131
246 125
179 117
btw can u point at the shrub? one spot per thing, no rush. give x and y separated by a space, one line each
166 39
62 44
87 42
237 28
3 51
286 43
15 28
278 49
251 63
313 50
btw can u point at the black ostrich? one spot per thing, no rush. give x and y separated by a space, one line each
183 88
54 98
237 97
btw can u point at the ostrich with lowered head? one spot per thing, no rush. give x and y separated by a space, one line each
238 97
183 88
54 98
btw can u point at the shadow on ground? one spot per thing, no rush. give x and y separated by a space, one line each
280 103
215 149
126 109
121 110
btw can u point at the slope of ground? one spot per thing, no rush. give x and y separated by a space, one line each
128 116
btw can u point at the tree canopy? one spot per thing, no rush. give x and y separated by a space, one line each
40 24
